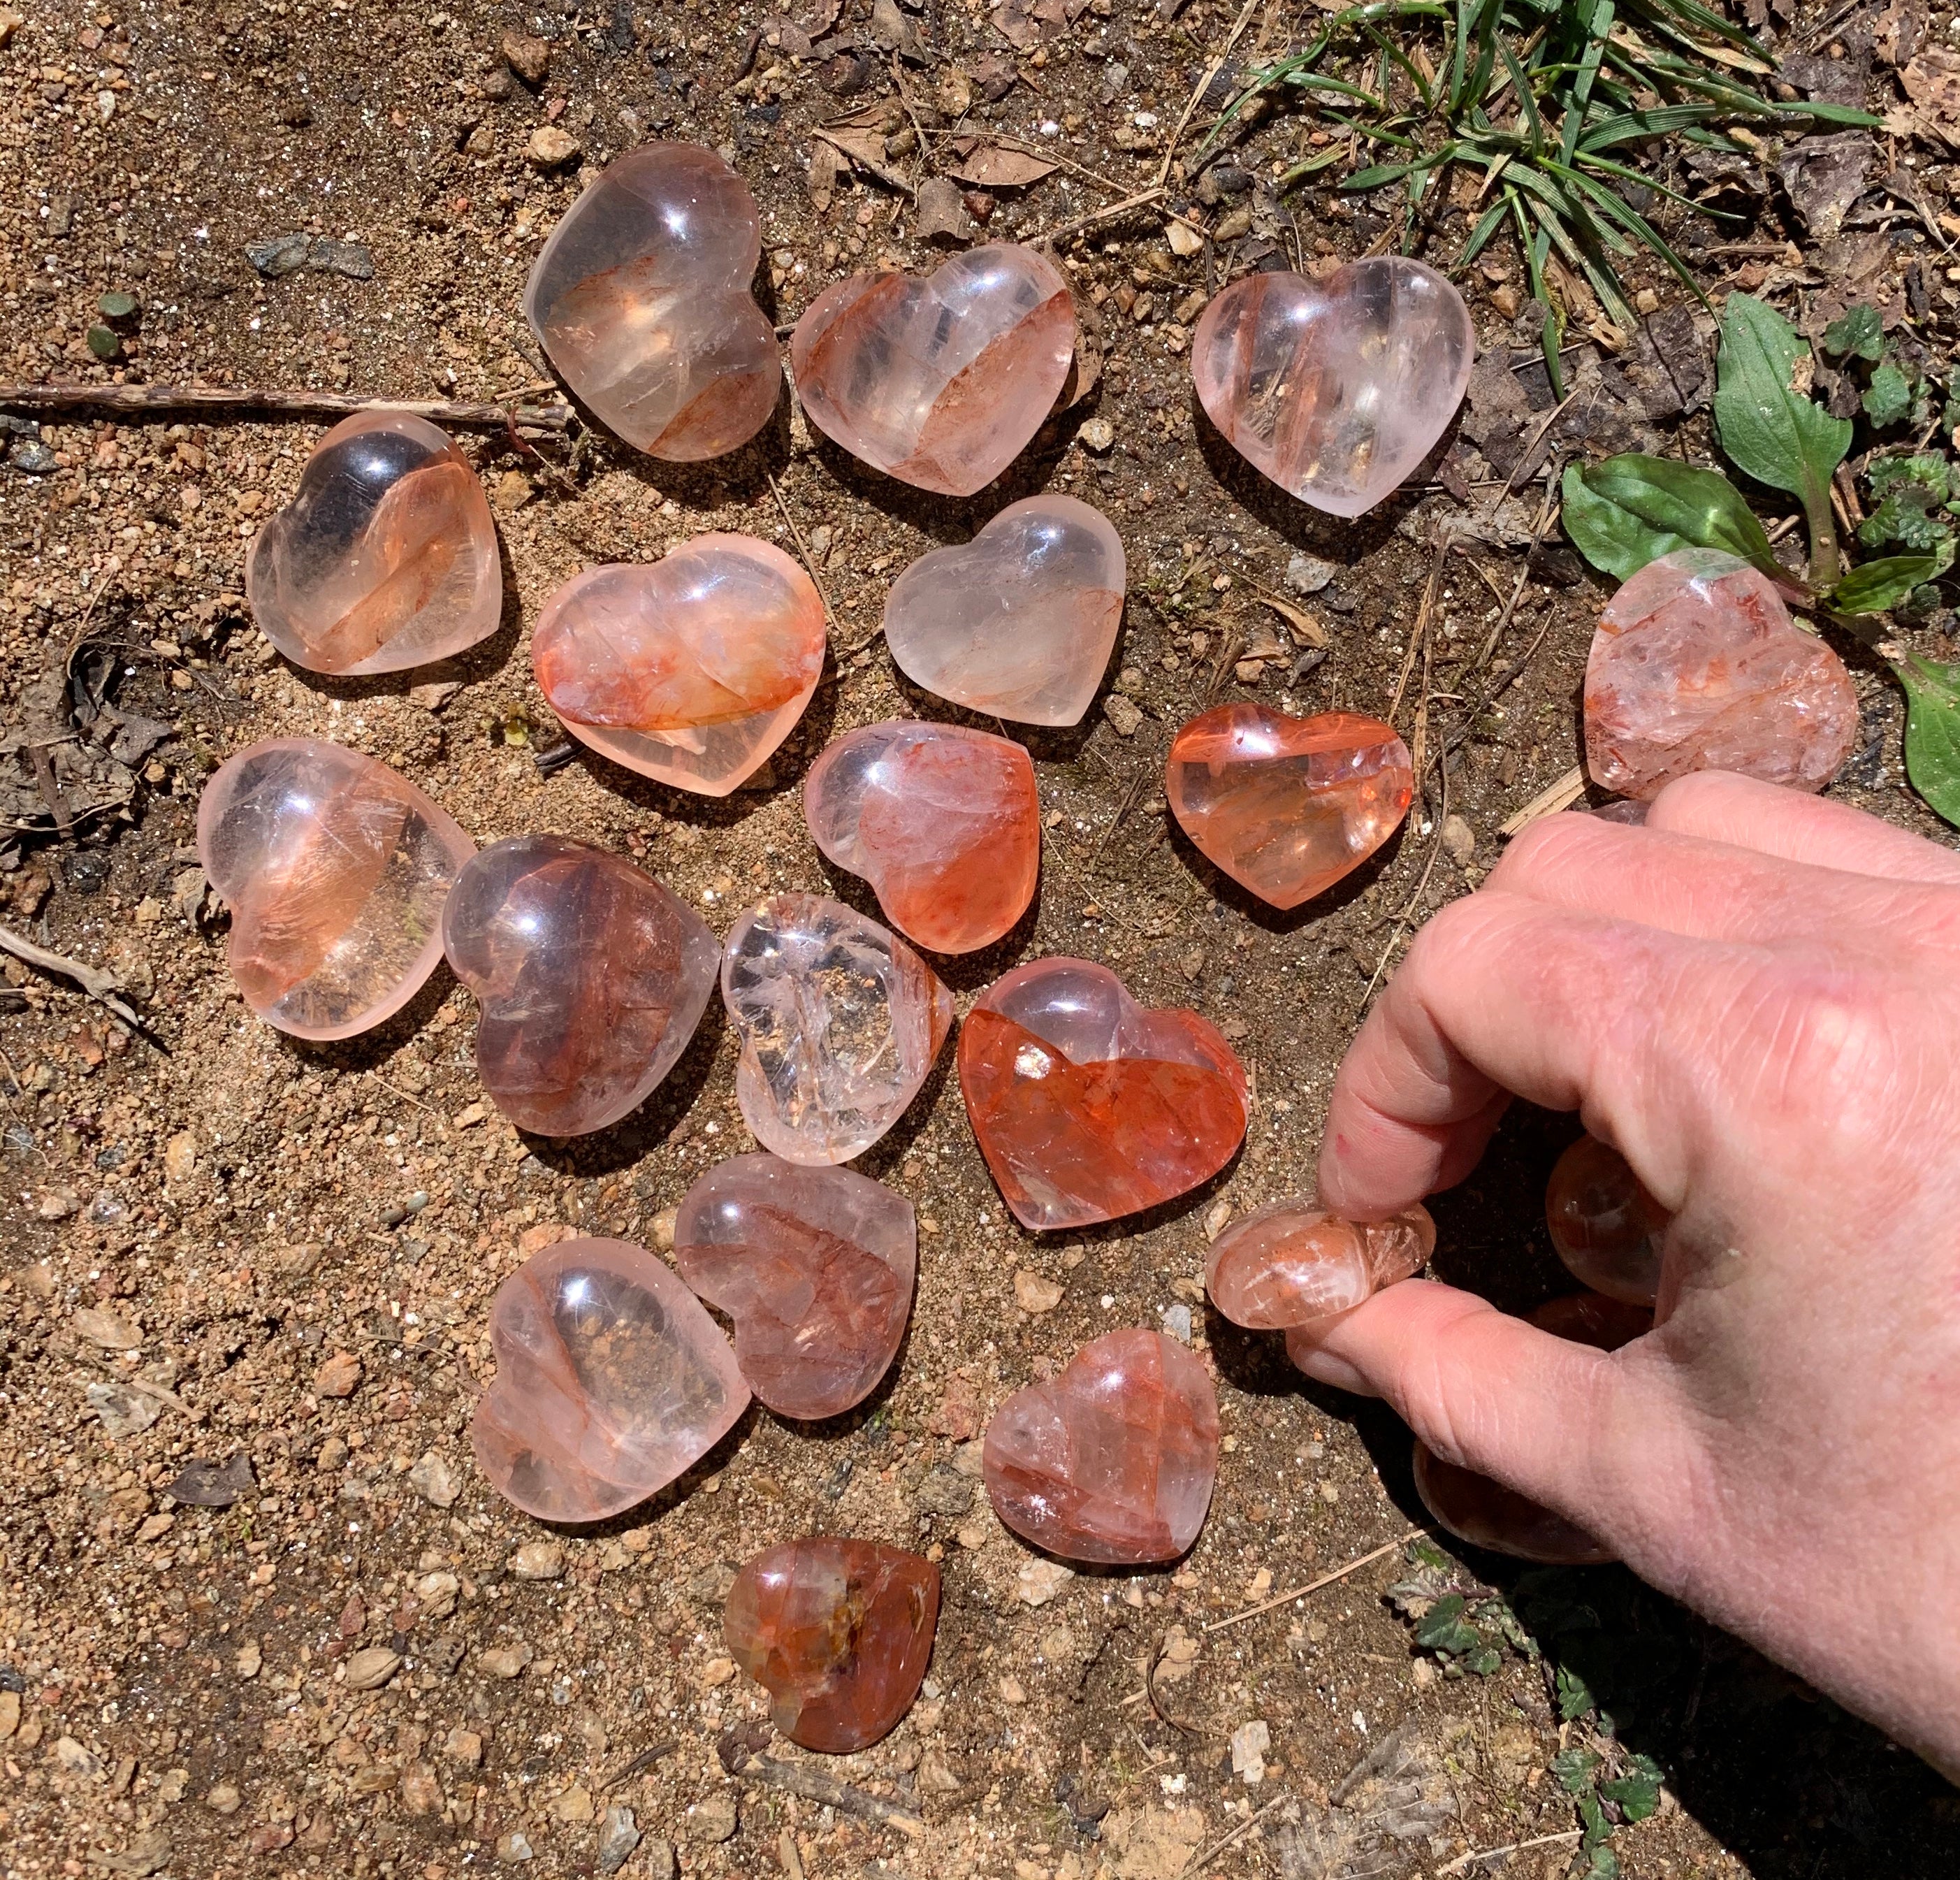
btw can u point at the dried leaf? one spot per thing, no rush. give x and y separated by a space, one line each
1931 80
942 214
865 148
825 165
995 167
1306 629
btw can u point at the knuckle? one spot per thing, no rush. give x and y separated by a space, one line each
1550 845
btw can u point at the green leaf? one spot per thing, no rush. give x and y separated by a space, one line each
1889 397
1614 539
1882 584
1928 468
1575 1697
1906 517
1933 731
1699 507
1856 333
1598 1830
1574 1768
1636 1794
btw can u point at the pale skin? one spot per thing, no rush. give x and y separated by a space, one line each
1756 998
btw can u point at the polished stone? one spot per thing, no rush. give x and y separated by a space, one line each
1292 1263
839 1022
641 298
1287 806
941 382
385 557
1088 1106
1697 665
690 670
335 870
612 1381
814 1266
1604 1225
592 976
1112 1461
1338 389
943 822
839 1632
1019 622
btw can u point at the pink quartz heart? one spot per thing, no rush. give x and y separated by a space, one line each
641 299
939 382
1019 622
1292 1263
1697 665
1336 389
691 670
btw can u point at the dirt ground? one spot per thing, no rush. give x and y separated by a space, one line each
228 1248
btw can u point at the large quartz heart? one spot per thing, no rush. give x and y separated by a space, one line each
839 1634
939 382
1336 389
1287 806
943 822
814 1266
1113 1461
691 670
1088 1106
593 977
1018 623
336 870
385 557
641 299
611 1379
1697 665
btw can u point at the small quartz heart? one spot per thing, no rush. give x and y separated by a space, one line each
1088 1106
814 1266
1019 622
1609 1231
385 557
839 1634
691 670
1336 389
1287 806
1697 665
1293 1263
943 822
641 299
592 976
611 1379
939 382
1113 1461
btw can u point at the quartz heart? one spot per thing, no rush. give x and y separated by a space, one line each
385 557
1113 1461
1019 622
814 1266
1336 389
1088 1106
611 1379
840 1020
690 671
336 870
839 1634
1605 1226
1287 806
1697 665
1293 1263
939 382
944 823
641 299
593 977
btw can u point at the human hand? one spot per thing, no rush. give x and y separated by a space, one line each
1756 998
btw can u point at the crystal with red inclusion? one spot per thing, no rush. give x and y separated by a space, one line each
1607 1228
1294 1264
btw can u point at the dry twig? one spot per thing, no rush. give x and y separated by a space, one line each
1314 1585
101 987
164 401
1516 1847
801 1779
1224 1841
1560 795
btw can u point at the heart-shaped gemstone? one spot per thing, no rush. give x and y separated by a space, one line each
593 977
839 1634
385 557
814 1266
691 670
1018 623
1697 665
1113 1461
611 1379
641 298
939 382
943 822
1287 806
1293 1263
839 1022
1088 1106
336 870
1604 1225
1336 389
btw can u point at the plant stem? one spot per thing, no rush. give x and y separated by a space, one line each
1823 544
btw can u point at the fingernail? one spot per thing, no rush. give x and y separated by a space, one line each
1325 1368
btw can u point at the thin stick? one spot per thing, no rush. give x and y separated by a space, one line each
100 986
1103 215
1560 795
1204 85
639 1763
163 401
803 549
1239 1834
812 1784
1314 1586
1516 1847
